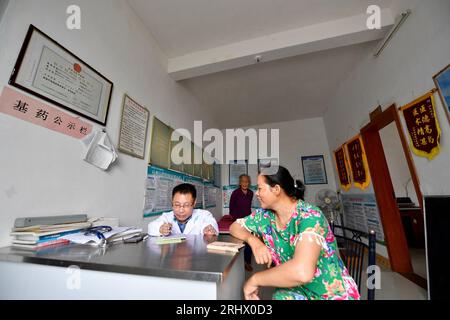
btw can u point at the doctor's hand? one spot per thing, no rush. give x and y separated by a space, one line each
209 231
165 229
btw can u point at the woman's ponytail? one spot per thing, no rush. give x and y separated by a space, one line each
299 190
294 189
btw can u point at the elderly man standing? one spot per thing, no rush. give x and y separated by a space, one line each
240 207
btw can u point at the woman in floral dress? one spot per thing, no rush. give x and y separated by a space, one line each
295 237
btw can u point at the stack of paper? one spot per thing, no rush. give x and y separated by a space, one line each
35 237
56 227
171 239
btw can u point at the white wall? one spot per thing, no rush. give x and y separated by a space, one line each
3 5
297 138
397 163
41 172
401 74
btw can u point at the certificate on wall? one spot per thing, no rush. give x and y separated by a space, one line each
314 170
133 128
49 71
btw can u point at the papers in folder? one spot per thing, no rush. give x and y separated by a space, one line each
115 235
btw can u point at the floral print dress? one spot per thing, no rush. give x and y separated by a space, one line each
331 280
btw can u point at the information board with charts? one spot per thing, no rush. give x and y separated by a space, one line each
361 213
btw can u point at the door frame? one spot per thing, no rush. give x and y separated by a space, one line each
397 245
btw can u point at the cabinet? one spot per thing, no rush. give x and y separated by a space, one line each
412 219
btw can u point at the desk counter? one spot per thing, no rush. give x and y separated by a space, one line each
143 271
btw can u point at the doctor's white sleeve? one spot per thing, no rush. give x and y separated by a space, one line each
208 219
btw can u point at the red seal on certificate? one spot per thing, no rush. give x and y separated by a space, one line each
77 67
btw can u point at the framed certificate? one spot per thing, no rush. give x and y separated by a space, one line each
133 128
314 170
47 70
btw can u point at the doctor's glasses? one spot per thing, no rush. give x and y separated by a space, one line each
179 206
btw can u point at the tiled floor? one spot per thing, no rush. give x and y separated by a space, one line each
396 287
393 287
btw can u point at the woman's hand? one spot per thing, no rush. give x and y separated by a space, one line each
260 251
251 289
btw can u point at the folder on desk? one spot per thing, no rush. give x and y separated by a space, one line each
171 239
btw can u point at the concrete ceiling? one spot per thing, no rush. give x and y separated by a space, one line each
307 48
292 88
185 26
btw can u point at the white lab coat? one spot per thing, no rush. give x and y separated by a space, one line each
200 220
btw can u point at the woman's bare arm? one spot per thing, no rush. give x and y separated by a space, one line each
260 251
297 271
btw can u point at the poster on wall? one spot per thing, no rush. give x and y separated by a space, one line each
47 70
423 126
198 184
217 175
361 213
358 163
314 170
226 194
236 168
442 81
342 168
158 190
210 195
133 128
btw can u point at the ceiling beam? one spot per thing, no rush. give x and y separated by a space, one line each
313 38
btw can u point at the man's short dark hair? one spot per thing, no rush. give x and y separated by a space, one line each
244 175
185 188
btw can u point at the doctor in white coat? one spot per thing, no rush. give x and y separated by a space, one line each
184 219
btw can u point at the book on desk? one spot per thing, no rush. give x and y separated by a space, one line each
39 236
225 246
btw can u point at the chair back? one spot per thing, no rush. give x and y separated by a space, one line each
352 250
